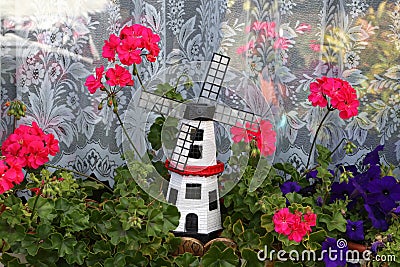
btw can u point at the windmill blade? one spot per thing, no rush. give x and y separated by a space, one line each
161 105
215 76
180 154
232 117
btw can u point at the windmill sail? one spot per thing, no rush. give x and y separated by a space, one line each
215 77
180 154
160 104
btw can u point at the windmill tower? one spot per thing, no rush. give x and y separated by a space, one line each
194 169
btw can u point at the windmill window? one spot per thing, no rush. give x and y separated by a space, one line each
173 196
193 191
195 152
197 134
213 201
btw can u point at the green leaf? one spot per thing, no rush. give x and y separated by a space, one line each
170 218
64 246
43 230
250 258
324 156
154 136
44 207
117 260
187 260
294 197
10 261
337 221
288 169
80 252
238 227
267 223
216 257
318 236
155 222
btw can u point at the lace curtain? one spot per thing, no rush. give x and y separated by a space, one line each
48 48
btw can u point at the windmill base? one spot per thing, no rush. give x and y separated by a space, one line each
204 238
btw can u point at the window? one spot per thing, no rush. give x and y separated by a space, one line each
213 201
173 195
195 152
193 191
196 134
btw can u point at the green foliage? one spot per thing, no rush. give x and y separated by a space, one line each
66 226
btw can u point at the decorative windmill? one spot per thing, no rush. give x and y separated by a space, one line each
193 186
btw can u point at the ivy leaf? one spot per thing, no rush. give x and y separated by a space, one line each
10 261
187 260
217 257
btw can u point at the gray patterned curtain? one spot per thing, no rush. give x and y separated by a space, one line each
48 48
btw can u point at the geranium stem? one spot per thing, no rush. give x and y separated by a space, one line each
126 134
336 148
79 173
34 206
315 137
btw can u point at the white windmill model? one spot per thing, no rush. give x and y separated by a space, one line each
193 186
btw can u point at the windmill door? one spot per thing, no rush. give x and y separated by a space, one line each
191 224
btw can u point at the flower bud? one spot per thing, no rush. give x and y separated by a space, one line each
100 106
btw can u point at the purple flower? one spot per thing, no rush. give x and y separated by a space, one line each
377 216
312 174
341 190
372 158
355 230
320 201
290 187
385 192
362 180
376 245
334 255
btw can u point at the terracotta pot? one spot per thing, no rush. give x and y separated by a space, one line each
355 246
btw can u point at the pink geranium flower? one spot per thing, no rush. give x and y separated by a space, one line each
129 51
94 82
298 231
9 175
266 138
339 93
283 221
310 219
110 47
119 76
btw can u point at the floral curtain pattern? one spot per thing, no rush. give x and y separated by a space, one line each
48 50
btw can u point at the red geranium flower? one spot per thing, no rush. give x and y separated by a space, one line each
110 47
283 220
129 51
119 76
94 82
